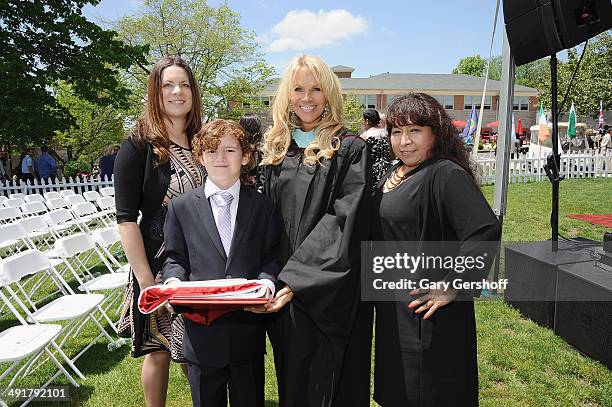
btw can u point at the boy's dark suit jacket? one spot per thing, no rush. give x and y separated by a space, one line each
195 252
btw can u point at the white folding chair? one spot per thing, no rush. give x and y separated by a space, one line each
8 215
22 345
12 239
66 193
34 198
57 203
91 196
74 199
51 195
14 203
3 199
107 191
88 216
38 231
17 232
33 208
106 202
61 221
17 195
107 207
107 239
77 251
72 309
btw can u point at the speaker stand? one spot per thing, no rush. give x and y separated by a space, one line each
553 162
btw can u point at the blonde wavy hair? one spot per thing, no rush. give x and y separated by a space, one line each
326 142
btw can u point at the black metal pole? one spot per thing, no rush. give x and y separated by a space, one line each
554 217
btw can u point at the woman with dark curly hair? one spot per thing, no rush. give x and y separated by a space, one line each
426 346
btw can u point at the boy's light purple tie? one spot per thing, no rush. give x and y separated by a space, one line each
223 200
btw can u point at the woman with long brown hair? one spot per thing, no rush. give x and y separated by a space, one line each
154 165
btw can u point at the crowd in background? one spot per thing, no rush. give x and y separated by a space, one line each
591 139
33 165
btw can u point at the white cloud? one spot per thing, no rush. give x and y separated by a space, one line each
304 29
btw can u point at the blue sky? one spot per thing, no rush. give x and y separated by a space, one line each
413 36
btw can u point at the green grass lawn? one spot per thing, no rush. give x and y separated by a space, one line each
520 363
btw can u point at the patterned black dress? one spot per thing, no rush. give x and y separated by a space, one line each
160 331
380 159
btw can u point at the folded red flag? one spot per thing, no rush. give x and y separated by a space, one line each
209 299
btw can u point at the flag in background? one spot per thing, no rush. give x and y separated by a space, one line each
601 117
470 126
543 133
519 130
571 127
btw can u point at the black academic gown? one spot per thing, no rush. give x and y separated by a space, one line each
432 362
323 208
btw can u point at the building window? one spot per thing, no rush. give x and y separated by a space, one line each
447 101
390 99
366 101
467 102
487 103
474 101
520 103
371 101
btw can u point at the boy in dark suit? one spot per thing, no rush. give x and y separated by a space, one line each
223 230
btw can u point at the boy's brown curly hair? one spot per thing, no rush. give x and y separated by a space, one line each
209 137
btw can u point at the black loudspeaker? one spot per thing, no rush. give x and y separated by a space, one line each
538 28
583 315
531 270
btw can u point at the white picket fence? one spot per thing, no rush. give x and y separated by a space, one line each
522 169
78 185
530 169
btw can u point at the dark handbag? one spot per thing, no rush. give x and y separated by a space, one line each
124 324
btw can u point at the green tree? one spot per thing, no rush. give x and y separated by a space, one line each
224 56
477 66
535 74
42 42
474 65
353 114
96 126
593 81
495 68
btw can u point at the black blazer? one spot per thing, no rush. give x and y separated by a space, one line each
195 252
140 184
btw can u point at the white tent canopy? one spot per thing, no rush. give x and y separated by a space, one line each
538 147
562 125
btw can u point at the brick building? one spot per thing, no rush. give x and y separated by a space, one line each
457 93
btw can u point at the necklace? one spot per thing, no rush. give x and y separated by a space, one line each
395 179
